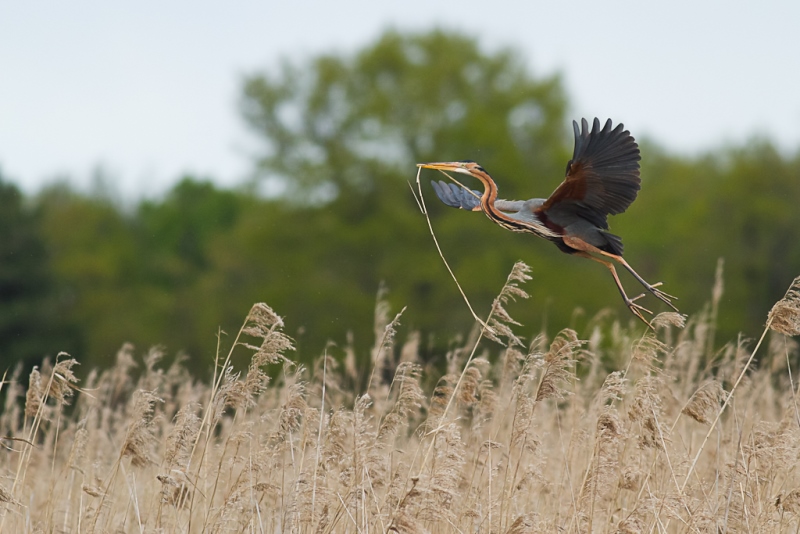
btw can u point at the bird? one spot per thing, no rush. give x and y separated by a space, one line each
602 179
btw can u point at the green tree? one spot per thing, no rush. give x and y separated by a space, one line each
349 129
176 237
137 275
342 135
94 258
30 326
330 216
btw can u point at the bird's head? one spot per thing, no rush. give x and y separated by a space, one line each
470 168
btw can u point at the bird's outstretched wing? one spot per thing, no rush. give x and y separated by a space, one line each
457 197
602 176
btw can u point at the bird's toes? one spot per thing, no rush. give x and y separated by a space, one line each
660 294
636 308
637 311
666 298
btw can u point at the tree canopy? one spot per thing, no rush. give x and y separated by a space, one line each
349 129
29 303
330 218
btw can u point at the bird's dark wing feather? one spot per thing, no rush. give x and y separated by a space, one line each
457 197
602 176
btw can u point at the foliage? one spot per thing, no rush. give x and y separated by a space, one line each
29 306
331 218
350 129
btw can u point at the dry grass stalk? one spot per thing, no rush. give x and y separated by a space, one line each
784 317
440 400
444 481
140 436
500 322
790 502
602 476
180 439
7 497
557 365
385 332
77 453
705 402
410 399
646 410
664 319
647 351
33 397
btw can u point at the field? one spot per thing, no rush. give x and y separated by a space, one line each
623 431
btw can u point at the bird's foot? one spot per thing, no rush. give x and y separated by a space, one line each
638 310
666 298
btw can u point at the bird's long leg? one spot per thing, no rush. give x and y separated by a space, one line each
666 298
630 303
580 244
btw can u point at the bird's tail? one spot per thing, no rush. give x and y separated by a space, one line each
614 243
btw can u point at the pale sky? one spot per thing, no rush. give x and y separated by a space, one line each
149 90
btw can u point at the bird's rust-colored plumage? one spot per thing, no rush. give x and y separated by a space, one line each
602 179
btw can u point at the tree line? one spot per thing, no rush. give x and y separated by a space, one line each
328 218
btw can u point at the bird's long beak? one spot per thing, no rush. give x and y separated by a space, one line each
453 166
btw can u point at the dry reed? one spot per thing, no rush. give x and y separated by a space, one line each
670 434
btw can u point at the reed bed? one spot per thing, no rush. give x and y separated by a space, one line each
613 431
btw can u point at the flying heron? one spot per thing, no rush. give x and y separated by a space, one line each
602 179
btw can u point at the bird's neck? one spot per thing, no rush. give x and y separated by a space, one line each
489 195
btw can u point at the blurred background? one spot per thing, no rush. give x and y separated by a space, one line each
164 166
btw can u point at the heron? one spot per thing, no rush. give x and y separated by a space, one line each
602 179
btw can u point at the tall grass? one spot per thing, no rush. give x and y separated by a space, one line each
613 431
